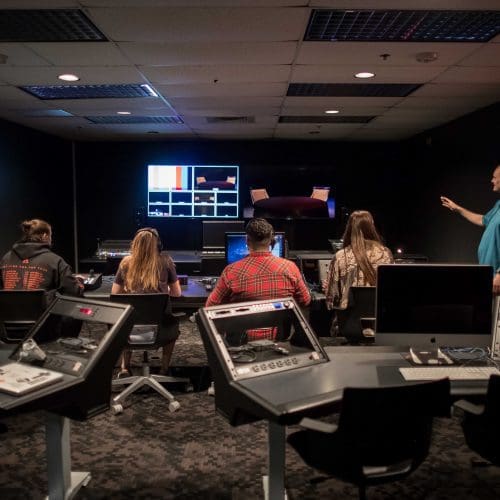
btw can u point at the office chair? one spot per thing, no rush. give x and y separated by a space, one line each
480 423
320 192
19 311
258 194
383 434
356 323
153 328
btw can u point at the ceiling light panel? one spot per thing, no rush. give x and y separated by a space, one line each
127 120
47 25
403 25
351 89
89 91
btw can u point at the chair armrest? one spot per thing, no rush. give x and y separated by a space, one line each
468 407
318 425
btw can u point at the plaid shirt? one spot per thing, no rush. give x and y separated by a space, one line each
260 275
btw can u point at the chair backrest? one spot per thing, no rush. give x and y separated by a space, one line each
361 305
150 309
320 192
482 432
258 194
19 311
389 424
492 408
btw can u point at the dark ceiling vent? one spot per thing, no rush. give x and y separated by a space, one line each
230 119
47 25
403 25
351 89
325 119
90 91
128 120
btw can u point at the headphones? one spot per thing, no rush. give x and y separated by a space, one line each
154 232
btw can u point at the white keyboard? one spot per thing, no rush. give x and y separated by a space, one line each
452 372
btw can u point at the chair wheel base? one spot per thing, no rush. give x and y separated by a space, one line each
117 408
174 406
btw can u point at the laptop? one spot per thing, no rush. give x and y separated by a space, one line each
20 378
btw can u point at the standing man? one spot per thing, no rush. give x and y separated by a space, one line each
259 275
488 251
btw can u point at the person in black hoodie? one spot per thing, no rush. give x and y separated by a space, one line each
31 264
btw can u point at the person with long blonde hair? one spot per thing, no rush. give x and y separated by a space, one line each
147 270
356 262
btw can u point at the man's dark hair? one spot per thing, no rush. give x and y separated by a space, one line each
259 230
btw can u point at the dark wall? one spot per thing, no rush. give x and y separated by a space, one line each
35 182
400 183
456 160
118 173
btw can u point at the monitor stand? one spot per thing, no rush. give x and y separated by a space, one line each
429 356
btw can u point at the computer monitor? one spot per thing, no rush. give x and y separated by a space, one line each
434 305
236 246
214 232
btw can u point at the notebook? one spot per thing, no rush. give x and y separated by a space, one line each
20 378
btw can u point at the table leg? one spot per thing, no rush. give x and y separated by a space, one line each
63 484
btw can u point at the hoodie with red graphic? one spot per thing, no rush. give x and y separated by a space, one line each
30 265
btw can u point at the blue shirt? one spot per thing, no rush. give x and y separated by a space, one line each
489 247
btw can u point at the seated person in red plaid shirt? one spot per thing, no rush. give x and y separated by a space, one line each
259 275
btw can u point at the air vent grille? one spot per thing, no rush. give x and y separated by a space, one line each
403 25
325 119
351 89
90 91
230 119
47 25
128 120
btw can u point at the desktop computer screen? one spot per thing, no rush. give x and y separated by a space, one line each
214 232
236 246
434 304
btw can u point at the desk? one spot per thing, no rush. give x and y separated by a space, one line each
290 206
285 398
193 296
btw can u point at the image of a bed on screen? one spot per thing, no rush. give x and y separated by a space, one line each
193 190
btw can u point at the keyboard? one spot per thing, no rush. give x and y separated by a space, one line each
452 372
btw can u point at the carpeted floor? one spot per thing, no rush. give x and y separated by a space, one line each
149 453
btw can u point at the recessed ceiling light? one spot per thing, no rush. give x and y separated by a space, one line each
123 113
364 74
68 77
332 111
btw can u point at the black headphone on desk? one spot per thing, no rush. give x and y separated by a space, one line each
154 232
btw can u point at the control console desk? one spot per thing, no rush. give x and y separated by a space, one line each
283 386
67 361
194 293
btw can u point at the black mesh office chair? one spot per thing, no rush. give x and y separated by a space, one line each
481 423
383 434
19 311
154 327
357 322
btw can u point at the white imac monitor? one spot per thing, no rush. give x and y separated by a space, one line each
430 305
